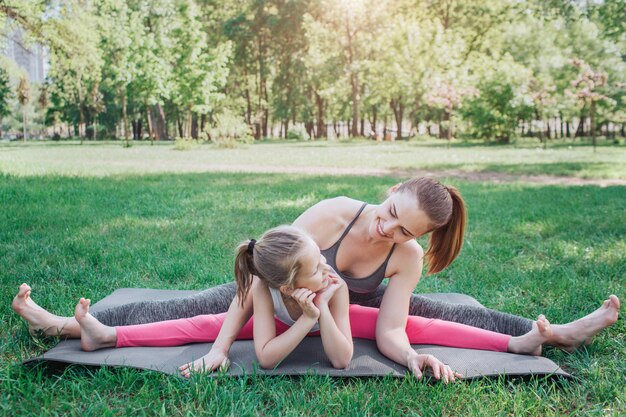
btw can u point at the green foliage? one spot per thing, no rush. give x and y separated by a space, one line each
229 130
502 102
298 132
6 93
399 65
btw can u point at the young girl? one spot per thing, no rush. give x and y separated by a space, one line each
294 284
298 294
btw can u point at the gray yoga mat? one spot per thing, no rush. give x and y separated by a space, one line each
307 358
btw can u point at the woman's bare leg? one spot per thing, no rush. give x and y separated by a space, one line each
572 335
94 335
40 320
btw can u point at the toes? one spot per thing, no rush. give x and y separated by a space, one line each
613 299
24 290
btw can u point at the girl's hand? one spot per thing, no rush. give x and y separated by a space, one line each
208 363
324 296
304 297
417 363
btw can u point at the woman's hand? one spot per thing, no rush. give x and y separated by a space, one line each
208 363
304 297
324 296
417 363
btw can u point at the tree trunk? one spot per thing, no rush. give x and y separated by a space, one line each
592 112
179 125
321 127
568 129
81 118
194 126
448 118
150 126
398 111
266 112
309 128
374 121
189 123
580 130
24 124
248 107
202 124
125 117
354 82
161 134
136 125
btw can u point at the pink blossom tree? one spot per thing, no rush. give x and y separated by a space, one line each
587 88
448 97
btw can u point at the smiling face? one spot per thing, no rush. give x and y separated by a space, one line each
399 219
314 271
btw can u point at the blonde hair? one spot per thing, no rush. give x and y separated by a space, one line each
445 207
274 258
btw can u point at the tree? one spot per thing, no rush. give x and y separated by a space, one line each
588 89
6 94
23 97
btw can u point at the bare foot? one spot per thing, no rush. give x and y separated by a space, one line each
572 335
93 334
531 342
41 321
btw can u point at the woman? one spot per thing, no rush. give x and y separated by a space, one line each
364 244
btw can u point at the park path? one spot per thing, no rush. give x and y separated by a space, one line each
477 176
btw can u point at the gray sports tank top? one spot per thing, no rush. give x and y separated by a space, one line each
280 310
358 285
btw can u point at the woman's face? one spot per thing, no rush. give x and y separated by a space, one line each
314 272
399 219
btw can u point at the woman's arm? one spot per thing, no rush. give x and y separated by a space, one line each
391 337
334 320
271 349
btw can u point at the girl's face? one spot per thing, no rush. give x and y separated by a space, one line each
399 219
314 272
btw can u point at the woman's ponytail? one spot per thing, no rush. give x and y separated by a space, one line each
446 241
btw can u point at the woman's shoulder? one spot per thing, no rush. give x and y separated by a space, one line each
339 205
331 211
328 218
406 258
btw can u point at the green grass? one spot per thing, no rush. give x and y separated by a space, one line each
323 157
529 250
85 220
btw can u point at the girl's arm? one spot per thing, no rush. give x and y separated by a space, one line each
391 337
335 331
236 317
271 349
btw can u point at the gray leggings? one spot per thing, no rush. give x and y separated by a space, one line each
217 300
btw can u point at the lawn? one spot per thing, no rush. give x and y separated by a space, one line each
323 157
530 249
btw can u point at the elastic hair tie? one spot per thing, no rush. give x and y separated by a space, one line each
251 246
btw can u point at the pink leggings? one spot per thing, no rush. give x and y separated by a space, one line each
205 328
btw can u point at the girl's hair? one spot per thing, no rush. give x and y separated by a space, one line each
274 258
445 207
